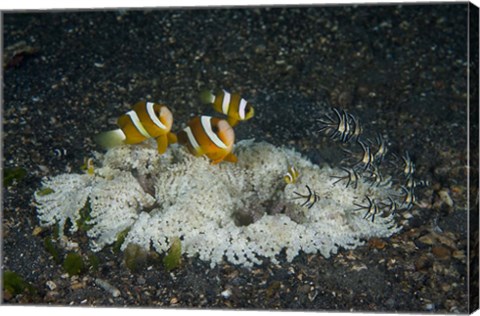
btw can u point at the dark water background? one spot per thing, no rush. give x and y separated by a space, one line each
402 69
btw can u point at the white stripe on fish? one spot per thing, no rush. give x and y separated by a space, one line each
207 127
153 116
226 102
192 139
138 125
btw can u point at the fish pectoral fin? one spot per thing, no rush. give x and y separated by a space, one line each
214 162
232 121
231 158
172 138
162 144
198 152
110 139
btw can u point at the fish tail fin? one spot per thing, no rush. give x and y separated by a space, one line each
207 97
110 139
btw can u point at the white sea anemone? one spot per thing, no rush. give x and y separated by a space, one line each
239 212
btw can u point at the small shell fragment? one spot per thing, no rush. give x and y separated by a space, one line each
445 197
227 293
108 287
51 285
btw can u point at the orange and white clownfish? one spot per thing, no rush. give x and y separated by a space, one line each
146 120
233 105
209 136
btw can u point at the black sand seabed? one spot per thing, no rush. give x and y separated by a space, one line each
401 69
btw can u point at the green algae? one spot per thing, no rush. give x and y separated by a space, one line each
45 191
174 256
135 257
93 261
73 264
52 250
120 240
83 223
13 174
14 284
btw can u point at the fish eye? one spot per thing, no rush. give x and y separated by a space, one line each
215 129
248 108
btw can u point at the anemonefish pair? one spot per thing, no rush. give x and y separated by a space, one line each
146 120
232 105
214 137
204 135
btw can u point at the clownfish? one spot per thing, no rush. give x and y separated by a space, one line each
209 136
291 176
233 105
146 120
